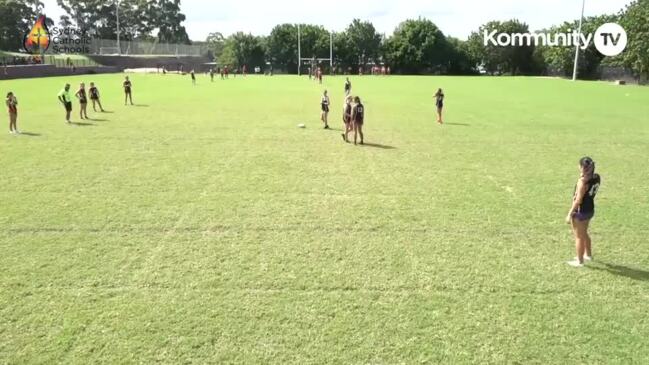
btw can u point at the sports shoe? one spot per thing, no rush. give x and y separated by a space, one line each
575 263
586 258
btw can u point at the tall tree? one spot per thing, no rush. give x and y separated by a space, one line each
282 47
417 46
244 49
499 59
635 21
16 19
215 43
166 16
362 39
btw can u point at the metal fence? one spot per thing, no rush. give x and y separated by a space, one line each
109 46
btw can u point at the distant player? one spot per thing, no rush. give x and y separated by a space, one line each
582 210
324 104
348 87
320 75
83 101
128 90
439 103
193 75
94 97
212 74
66 101
226 70
12 109
358 118
244 70
347 117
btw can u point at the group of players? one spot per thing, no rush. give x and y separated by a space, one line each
65 98
581 212
353 114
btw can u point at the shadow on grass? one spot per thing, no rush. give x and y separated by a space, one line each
381 146
141 105
458 124
82 124
107 112
98 120
29 134
624 271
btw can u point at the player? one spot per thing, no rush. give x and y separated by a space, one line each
128 90
320 75
94 96
358 118
66 101
83 101
348 87
439 103
12 108
324 103
347 117
212 74
244 70
583 210
193 75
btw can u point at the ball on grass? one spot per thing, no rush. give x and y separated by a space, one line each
301 126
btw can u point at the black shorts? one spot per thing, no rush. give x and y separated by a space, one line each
325 108
440 105
68 106
127 91
358 122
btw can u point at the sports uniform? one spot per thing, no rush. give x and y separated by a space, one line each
586 209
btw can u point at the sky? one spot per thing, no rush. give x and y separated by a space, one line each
457 18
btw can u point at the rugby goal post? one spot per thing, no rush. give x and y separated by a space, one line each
300 59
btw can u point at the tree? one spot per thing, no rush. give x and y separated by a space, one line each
244 49
282 47
561 59
215 43
635 20
460 61
16 19
417 46
498 59
138 18
166 16
362 42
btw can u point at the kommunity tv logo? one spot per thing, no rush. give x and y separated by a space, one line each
610 39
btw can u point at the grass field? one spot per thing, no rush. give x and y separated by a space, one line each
202 226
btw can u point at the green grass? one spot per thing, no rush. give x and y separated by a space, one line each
204 227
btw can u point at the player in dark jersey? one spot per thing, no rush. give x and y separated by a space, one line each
83 101
358 118
128 90
439 104
324 105
348 87
582 210
347 117
94 97
212 74
193 75
12 109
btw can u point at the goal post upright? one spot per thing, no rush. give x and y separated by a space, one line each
299 51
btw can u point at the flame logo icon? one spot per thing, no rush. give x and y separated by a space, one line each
38 39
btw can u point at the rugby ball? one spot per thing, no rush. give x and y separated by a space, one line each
301 126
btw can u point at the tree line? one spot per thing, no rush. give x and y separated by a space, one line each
417 46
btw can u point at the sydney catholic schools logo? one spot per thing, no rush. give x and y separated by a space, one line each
610 39
59 40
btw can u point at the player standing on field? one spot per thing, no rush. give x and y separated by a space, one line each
348 87
324 104
439 103
83 101
347 118
582 210
94 96
358 118
128 90
66 101
12 109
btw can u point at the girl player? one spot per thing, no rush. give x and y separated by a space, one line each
348 87
193 74
12 108
583 210
347 117
128 90
358 118
83 101
324 103
439 103
94 96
